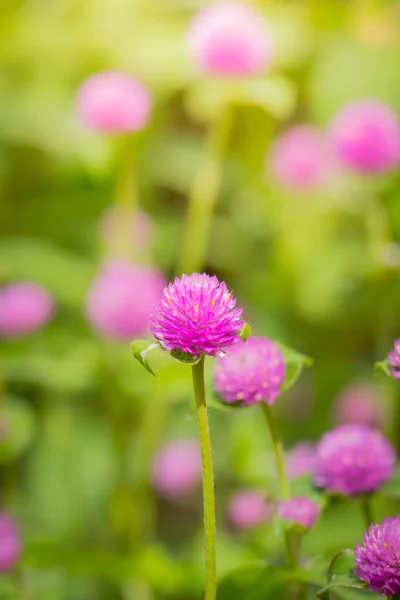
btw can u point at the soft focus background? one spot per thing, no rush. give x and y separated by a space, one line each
314 269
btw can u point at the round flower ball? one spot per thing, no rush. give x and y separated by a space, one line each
197 315
121 298
359 403
126 231
300 460
113 102
249 508
353 459
365 136
10 543
301 511
377 560
394 360
251 372
24 308
229 39
299 159
177 468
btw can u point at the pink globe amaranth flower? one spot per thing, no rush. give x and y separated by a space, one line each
177 468
24 308
300 510
197 315
251 372
249 508
378 560
121 298
299 158
10 543
123 230
353 459
229 38
113 102
394 360
300 460
365 136
359 403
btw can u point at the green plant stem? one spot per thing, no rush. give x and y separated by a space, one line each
284 491
203 196
208 478
125 193
365 502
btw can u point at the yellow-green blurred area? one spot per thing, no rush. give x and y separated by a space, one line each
318 272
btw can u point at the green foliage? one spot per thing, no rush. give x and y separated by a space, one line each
342 582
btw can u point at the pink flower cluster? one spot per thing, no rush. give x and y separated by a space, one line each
177 468
24 308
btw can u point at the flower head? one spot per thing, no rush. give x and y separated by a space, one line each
24 308
249 508
252 371
378 560
300 460
177 468
365 136
197 315
10 543
120 299
299 158
394 360
359 403
300 510
353 459
229 38
113 102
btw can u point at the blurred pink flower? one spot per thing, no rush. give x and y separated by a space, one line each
300 460
365 136
10 543
299 158
249 508
359 403
229 38
126 231
300 510
121 298
24 308
113 102
177 468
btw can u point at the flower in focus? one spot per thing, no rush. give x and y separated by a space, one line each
300 510
394 360
299 158
365 136
249 508
120 299
10 543
24 308
113 102
353 459
197 315
177 468
300 460
377 561
125 232
229 38
251 372
359 403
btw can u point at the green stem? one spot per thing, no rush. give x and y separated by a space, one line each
365 502
208 478
203 196
278 451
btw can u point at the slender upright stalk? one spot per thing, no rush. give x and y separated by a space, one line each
283 482
366 510
203 196
208 478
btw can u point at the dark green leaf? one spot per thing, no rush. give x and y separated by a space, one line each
341 578
184 357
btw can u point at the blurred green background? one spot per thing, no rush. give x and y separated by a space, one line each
318 272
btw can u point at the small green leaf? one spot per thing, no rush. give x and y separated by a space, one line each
341 577
382 366
185 357
141 350
245 332
295 363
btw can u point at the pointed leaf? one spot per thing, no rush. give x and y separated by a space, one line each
185 357
141 350
382 366
295 363
341 577
245 332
